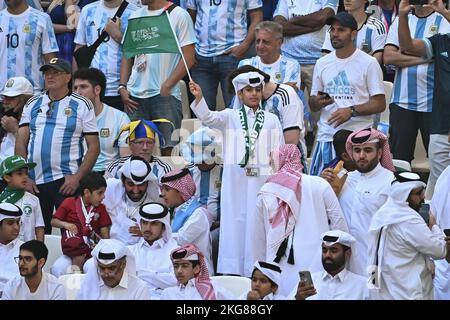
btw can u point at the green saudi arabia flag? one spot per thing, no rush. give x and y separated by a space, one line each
149 35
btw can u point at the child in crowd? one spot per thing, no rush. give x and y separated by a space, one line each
83 219
14 171
266 278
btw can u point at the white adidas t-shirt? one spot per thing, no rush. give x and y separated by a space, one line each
350 82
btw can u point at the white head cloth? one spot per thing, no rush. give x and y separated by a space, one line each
252 79
337 236
271 271
9 211
106 252
154 211
137 170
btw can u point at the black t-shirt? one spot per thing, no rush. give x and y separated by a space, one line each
440 116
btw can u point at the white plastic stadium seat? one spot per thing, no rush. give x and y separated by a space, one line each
234 284
53 243
72 284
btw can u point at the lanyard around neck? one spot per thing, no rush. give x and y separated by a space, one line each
250 138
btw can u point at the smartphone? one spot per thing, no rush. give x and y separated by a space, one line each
305 276
424 212
447 232
324 94
418 2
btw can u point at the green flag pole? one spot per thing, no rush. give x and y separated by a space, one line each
179 48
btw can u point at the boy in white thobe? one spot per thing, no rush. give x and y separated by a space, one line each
10 242
152 252
193 277
246 163
266 278
190 224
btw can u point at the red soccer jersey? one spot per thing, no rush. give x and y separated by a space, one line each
67 212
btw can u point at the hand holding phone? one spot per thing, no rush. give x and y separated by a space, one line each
322 93
305 276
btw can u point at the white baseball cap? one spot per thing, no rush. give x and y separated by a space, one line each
16 86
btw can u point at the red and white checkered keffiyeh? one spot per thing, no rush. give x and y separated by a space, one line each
202 280
372 134
185 185
285 185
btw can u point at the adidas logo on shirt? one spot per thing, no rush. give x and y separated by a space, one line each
444 54
340 87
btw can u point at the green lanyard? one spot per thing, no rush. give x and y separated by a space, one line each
250 138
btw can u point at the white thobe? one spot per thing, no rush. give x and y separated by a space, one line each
190 292
440 207
405 272
268 297
361 197
153 264
124 213
319 212
31 217
129 288
195 230
49 289
8 267
346 285
238 191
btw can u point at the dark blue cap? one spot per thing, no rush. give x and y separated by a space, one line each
345 19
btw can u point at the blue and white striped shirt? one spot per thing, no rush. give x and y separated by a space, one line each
220 24
108 56
284 70
413 86
370 38
109 123
24 38
304 48
57 134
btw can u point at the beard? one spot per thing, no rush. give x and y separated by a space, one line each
332 266
34 270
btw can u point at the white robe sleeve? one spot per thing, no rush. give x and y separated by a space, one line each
160 280
59 293
259 229
334 212
427 242
196 225
212 119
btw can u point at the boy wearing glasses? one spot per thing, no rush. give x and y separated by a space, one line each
9 241
33 284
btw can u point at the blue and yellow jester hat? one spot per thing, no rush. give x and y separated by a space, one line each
142 129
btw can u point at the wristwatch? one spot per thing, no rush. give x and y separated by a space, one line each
354 112
124 86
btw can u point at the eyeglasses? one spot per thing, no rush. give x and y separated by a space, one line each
26 259
143 142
